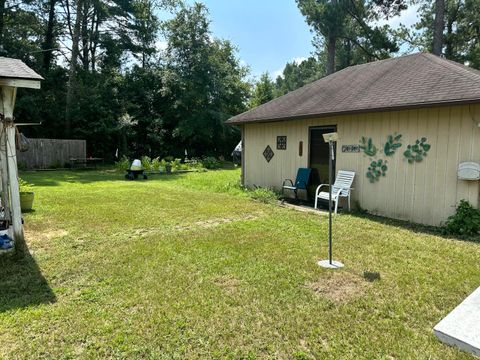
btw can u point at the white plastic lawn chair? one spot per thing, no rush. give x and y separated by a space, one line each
341 188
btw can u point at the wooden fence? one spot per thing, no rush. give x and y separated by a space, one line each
51 153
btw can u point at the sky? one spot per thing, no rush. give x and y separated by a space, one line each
269 33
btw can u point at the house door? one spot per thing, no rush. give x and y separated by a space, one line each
318 155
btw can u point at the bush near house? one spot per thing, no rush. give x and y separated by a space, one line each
465 222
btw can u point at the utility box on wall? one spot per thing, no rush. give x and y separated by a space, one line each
469 171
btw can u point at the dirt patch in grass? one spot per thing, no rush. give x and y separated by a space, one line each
33 236
216 222
205 224
227 282
340 287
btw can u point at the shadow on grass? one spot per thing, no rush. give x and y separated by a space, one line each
22 283
413 227
56 178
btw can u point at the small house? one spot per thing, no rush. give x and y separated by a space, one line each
409 127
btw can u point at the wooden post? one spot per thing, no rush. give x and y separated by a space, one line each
242 131
4 172
8 96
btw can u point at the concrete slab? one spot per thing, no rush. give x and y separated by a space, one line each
461 328
303 208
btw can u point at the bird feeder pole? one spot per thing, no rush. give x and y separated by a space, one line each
331 138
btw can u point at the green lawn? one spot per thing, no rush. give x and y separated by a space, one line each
189 266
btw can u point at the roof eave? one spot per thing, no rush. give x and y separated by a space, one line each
357 111
20 82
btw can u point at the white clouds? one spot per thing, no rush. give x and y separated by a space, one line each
298 60
278 73
407 18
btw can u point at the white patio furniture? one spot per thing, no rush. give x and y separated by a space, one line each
341 188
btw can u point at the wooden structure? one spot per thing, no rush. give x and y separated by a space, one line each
420 97
13 74
49 153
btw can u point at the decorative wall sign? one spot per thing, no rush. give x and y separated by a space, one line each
367 146
300 148
351 148
281 143
392 144
268 153
377 169
416 152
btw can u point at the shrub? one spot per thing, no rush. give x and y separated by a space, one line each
156 164
264 195
123 163
176 164
210 162
194 163
465 221
146 163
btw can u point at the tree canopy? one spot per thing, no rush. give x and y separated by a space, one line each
148 77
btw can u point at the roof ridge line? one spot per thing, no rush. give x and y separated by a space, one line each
450 64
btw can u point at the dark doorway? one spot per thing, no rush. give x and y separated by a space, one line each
318 156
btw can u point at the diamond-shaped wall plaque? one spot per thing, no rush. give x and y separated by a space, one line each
268 153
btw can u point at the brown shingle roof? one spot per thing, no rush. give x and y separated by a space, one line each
16 69
416 80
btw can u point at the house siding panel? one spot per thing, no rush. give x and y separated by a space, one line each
424 192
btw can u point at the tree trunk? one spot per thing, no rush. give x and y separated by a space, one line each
93 38
2 21
49 37
85 42
73 68
438 27
331 50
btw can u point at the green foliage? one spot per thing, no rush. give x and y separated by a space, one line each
146 163
263 92
297 74
204 78
176 165
127 94
376 170
156 164
460 37
345 30
367 146
123 163
194 163
416 152
210 162
263 195
465 222
392 144
25 186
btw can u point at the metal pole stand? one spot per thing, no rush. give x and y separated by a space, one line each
330 263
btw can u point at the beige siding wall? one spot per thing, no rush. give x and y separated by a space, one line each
424 192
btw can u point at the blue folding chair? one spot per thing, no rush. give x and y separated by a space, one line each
301 182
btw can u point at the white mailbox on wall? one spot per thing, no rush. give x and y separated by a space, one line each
469 171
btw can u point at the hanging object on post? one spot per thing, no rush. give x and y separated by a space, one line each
21 141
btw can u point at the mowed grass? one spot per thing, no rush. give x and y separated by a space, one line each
189 266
